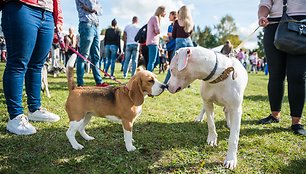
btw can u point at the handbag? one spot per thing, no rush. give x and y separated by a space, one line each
290 35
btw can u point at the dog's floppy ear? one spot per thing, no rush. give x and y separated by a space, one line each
182 62
136 92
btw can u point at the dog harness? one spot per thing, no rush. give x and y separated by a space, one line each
224 74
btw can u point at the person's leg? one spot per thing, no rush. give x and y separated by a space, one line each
170 55
114 50
277 73
127 58
94 57
135 54
37 60
20 39
296 70
86 38
153 50
108 57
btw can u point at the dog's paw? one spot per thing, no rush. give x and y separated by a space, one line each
77 146
199 118
230 163
130 148
212 140
88 138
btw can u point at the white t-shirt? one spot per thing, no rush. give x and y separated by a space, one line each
131 31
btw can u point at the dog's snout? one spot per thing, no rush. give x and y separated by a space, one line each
178 89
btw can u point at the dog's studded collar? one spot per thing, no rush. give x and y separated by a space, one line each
212 73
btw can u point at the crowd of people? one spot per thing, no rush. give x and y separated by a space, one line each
104 53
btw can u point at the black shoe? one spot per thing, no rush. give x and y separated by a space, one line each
268 120
298 129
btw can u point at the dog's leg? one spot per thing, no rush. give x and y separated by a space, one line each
212 134
227 117
73 128
235 120
201 116
128 136
82 128
47 90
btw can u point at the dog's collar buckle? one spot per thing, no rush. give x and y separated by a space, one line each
224 75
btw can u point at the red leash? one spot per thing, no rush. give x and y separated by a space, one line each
62 45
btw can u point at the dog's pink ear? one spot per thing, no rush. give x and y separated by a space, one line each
136 93
182 62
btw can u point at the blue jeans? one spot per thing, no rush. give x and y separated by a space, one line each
131 53
89 48
111 56
179 43
29 33
153 54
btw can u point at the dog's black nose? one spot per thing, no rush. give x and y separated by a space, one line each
164 86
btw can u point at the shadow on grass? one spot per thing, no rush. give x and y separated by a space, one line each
295 166
49 151
261 98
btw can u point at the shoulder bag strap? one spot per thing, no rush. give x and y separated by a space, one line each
285 6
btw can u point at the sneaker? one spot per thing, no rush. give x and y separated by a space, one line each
298 129
20 125
103 84
43 115
268 120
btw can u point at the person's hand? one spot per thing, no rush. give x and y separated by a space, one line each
263 21
58 28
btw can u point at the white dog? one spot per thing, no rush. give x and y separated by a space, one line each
224 80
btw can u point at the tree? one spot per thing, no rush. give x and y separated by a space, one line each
225 28
206 38
260 50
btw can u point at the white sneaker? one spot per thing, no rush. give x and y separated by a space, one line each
20 126
43 115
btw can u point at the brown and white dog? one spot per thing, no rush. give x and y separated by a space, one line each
121 104
224 80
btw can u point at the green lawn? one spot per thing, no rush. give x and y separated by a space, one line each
166 138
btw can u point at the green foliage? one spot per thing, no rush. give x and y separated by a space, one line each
225 28
260 49
235 41
206 38
167 139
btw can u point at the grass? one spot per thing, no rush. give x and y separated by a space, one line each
167 139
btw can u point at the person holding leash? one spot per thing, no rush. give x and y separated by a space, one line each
88 11
282 64
29 39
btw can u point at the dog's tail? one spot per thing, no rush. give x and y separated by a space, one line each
69 71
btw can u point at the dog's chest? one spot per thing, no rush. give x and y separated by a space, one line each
118 119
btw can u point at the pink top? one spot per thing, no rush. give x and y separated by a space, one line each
153 31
